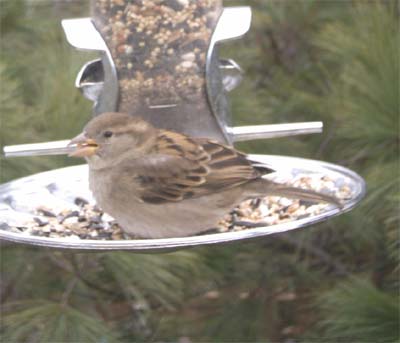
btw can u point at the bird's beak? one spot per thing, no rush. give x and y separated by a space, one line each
85 147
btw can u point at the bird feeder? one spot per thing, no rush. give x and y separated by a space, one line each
159 60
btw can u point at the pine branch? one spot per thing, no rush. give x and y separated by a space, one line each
87 282
327 259
68 290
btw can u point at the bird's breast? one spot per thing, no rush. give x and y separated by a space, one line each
100 184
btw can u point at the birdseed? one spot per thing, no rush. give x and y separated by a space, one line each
159 48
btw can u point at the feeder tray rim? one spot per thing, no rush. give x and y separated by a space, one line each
170 244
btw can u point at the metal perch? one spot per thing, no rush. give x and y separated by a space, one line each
238 134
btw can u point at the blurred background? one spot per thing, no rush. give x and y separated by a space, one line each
304 60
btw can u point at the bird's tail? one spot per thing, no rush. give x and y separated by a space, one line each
275 189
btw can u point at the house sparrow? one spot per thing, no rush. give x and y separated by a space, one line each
158 183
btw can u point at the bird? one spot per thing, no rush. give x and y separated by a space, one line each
158 183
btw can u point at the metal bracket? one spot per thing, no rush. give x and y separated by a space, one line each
233 23
106 94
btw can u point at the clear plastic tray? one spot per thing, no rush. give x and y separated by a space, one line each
20 198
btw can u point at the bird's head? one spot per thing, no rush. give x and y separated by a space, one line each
111 137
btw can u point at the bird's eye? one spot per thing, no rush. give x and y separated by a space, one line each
107 134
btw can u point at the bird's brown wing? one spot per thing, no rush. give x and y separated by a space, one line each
180 167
